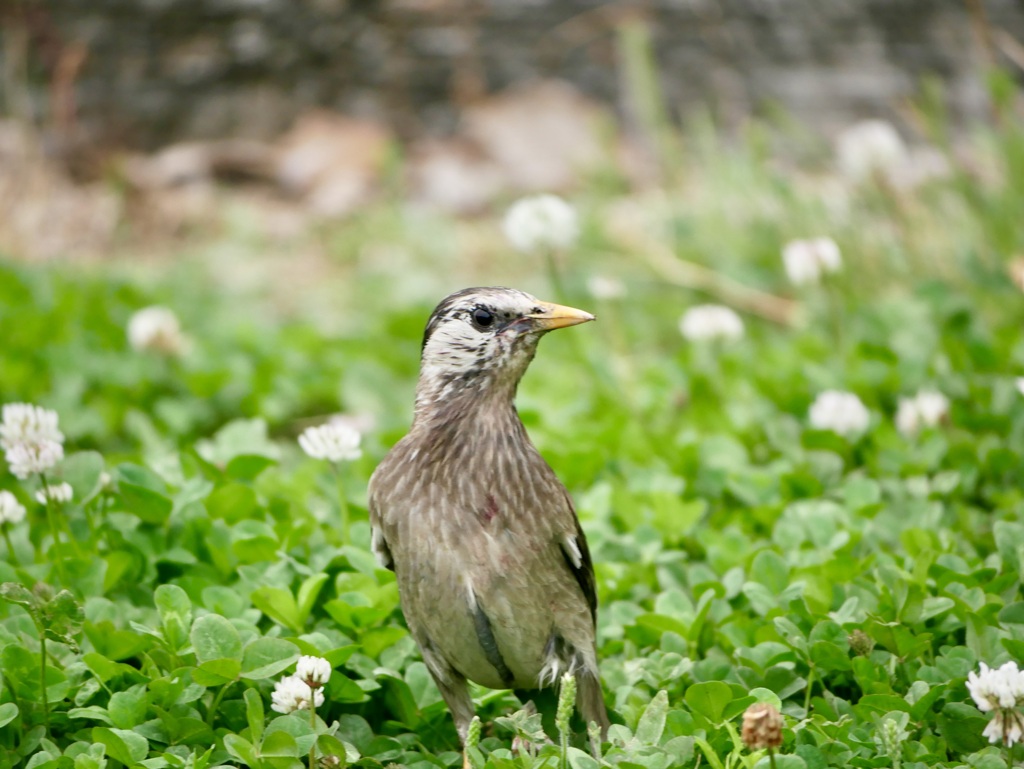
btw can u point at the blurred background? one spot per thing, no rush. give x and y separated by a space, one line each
130 128
254 162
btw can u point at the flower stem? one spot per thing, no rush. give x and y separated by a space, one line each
771 757
1007 743
10 547
66 527
42 680
342 501
54 531
555 274
312 723
810 688
212 712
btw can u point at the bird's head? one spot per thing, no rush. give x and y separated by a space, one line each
484 338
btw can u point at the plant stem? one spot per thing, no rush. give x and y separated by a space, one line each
342 501
312 723
62 521
10 548
1006 742
42 679
54 531
212 712
771 757
810 687
90 525
555 275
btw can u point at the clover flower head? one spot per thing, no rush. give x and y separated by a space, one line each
710 321
860 642
27 459
927 408
890 737
1005 725
334 441
762 726
868 148
156 329
998 688
11 511
541 223
27 423
473 733
603 287
58 492
841 412
806 260
566 701
314 671
292 693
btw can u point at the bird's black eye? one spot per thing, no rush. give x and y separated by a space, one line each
482 318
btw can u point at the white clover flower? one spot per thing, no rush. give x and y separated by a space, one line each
806 260
156 329
840 412
28 459
60 492
997 689
27 423
1019 382
926 409
291 694
1000 690
603 287
541 223
315 671
870 147
710 321
11 511
1005 724
335 441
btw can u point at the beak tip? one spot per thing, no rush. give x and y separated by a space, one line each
555 316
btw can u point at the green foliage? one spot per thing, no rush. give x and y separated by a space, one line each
741 555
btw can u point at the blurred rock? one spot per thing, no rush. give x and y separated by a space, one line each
454 175
199 163
541 135
163 71
332 161
46 214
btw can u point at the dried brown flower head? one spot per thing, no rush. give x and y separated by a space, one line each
860 642
762 726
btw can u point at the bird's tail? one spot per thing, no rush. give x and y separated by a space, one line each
590 700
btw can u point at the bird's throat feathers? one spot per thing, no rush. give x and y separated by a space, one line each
464 379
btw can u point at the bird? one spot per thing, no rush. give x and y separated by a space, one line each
494 574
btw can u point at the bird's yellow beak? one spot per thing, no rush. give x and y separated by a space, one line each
554 316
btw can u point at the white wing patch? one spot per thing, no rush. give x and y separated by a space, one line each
380 548
572 549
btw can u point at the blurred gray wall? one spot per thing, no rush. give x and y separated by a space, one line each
145 72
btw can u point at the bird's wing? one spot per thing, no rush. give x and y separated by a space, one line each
377 542
577 558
